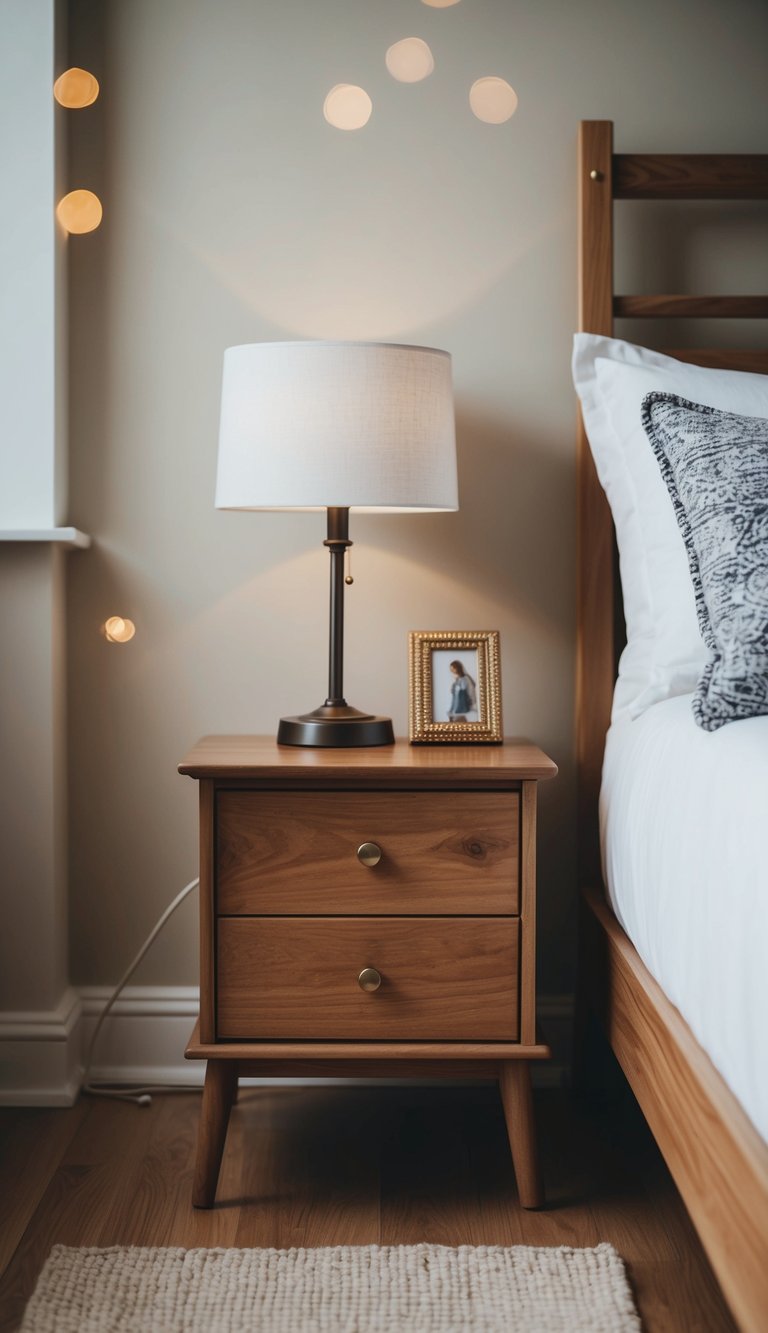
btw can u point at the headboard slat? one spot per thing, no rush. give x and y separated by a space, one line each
690 176
694 307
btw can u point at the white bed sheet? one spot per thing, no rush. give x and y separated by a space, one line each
684 827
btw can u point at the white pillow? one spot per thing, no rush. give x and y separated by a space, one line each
665 652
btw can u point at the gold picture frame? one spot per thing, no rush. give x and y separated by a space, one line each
458 707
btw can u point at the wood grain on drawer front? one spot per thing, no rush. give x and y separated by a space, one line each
443 978
444 852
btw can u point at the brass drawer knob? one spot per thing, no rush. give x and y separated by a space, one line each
369 979
369 854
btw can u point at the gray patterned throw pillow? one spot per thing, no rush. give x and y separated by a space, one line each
715 465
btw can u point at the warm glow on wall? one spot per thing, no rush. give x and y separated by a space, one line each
76 88
492 100
118 630
440 4
79 211
410 60
347 107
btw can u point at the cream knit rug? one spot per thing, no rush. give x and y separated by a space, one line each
346 1289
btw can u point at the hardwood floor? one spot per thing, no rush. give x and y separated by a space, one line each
350 1165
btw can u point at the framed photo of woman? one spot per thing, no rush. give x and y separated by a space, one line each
454 687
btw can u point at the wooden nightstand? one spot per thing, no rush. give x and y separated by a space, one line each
367 913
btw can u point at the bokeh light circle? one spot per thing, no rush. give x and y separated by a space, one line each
410 60
118 629
76 88
493 100
347 107
79 211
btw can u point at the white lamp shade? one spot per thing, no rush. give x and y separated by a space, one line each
308 425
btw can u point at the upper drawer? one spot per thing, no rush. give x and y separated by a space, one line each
297 852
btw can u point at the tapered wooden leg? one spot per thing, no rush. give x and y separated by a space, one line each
218 1093
515 1086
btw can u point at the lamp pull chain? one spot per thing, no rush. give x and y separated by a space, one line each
348 579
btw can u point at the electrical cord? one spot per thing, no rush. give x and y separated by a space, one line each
142 1095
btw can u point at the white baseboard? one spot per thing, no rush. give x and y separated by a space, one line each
40 1054
143 1040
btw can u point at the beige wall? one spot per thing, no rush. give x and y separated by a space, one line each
233 213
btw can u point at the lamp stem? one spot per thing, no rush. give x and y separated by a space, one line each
337 542
335 723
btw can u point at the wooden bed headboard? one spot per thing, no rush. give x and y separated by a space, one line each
603 177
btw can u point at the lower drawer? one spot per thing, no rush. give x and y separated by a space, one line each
449 978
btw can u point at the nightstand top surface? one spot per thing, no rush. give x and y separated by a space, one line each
262 757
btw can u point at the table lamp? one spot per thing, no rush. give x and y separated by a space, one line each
336 426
